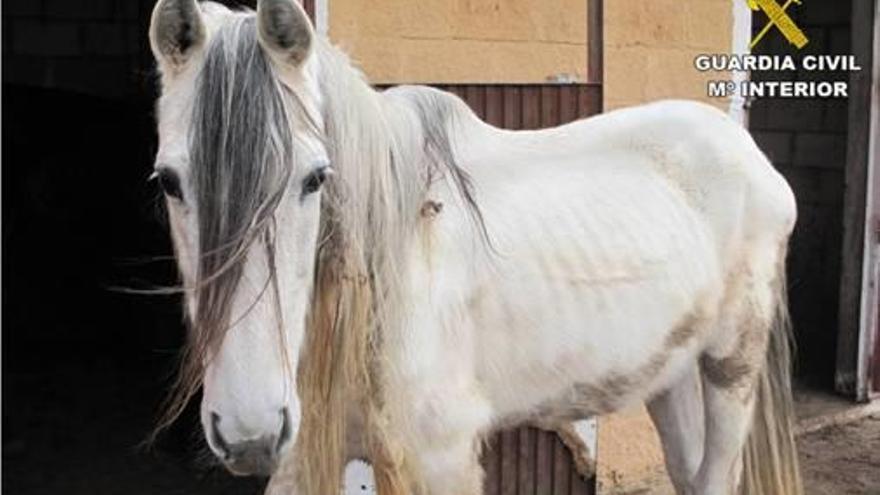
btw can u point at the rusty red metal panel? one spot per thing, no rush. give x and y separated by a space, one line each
531 111
526 462
562 468
580 486
509 450
309 7
568 104
513 108
544 462
475 95
529 106
494 106
550 111
529 461
492 465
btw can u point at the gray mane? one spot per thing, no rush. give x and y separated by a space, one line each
240 149
241 156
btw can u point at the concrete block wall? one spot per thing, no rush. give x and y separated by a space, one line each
463 41
806 140
94 47
97 47
100 47
650 49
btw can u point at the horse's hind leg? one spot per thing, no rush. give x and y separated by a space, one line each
729 400
678 416
729 375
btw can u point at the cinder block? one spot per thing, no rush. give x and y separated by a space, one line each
824 13
758 116
625 81
621 21
818 44
776 145
777 114
662 23
840 41
836 115
814 186
130 10
106 39
51 39
709 25
92 10
25 70
103 76
821 150
13 9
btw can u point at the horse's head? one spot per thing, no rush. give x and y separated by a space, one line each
241 163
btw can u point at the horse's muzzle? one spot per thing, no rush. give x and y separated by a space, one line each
257 457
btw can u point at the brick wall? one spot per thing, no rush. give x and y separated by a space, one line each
806 140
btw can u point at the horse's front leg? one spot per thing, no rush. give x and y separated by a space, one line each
283 481
443 440
453 468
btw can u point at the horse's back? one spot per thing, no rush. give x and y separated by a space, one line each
612 239
710 159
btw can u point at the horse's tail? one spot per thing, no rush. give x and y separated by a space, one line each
770 462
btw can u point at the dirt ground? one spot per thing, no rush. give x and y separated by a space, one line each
839 459
842 459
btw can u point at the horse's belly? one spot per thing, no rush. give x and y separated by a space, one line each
583 361
598 296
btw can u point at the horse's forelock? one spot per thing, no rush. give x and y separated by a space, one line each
241 160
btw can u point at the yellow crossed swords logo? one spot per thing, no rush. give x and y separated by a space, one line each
780 19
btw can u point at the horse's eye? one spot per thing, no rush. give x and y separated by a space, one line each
170 183
315 179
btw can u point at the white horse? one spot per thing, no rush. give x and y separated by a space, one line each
445 278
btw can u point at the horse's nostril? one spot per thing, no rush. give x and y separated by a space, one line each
216 438
285 434
255 456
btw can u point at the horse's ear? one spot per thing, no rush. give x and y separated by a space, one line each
177 30
284 31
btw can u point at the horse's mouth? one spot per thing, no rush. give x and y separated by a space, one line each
252 466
